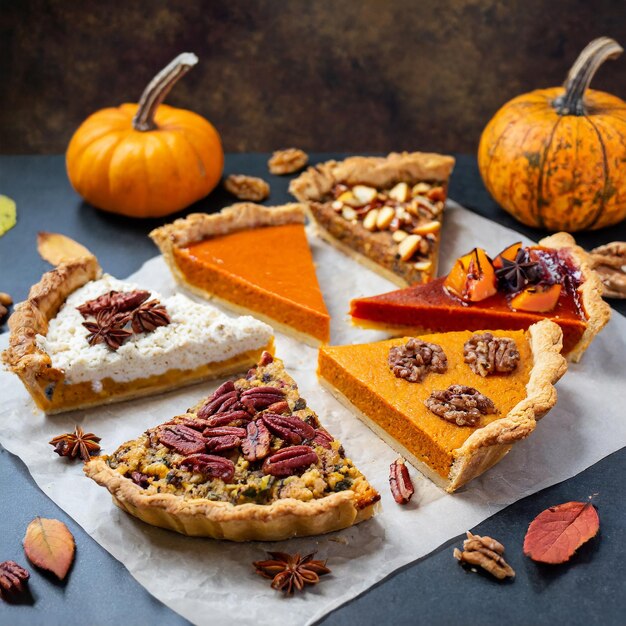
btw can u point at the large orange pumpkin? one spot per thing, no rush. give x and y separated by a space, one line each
556 158
146 159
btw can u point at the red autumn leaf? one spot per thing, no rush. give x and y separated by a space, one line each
49 544
556 533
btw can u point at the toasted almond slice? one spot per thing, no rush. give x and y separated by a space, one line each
56 248
428 227
364 194
408 247
337 205
385 215
423 266
348 213
400 192
420 189
399 235
370 220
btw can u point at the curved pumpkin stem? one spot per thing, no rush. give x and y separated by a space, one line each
154 94
572 102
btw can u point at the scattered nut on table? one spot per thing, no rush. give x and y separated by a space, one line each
247 187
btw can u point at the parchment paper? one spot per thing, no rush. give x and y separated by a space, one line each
211 582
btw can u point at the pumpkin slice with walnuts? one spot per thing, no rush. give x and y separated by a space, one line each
250 462
519 287
385 212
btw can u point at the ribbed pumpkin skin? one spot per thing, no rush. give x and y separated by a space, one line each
560 172
148 173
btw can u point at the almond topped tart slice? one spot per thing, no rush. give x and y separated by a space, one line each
251 462
252 259
385 212
452 403
516 289
84 338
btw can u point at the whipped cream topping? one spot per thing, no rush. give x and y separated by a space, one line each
198 334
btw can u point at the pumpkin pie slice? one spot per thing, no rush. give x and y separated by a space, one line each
385 212
84 338
452 403
516 289
253 259
250 462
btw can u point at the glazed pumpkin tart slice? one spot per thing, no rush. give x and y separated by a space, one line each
385 212
452 403
516 289
251 258
84 338
250 462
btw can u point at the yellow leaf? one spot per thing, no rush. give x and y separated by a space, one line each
56 248
8 214
49 544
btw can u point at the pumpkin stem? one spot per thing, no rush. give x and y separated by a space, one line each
572 102
154 94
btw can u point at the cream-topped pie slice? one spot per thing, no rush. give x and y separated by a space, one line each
83 339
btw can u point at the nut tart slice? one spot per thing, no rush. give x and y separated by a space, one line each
452 403
254 259
83 338
517 288
384 212
250 462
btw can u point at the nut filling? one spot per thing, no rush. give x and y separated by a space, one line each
417 358
460 404
486 354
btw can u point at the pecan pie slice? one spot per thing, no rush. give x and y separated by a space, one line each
385 212
254 259
452 403
250 462
84 338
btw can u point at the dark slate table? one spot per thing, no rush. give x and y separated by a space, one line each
591 589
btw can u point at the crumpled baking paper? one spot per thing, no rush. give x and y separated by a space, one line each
213 582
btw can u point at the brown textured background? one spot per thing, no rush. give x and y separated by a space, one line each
368 75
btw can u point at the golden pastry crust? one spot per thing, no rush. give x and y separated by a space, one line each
381 172
487 445
31 317
597 310
279 519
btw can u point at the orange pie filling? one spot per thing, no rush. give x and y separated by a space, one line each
268 271
394 407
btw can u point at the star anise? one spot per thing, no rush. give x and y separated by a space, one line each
515 275
108 327
149 316
119 300
289 572
76 444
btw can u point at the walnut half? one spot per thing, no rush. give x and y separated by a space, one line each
416 358
486 553
247 187
487 354
287 161
460 404
609 262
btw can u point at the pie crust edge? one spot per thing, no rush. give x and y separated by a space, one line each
490 444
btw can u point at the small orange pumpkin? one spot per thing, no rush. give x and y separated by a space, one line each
556 158
146 159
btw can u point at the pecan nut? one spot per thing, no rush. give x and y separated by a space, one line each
13 577
220 400
400 482
256 445
287 161
182 439
230 418
247 187
260 398
486 553
223 438
322 438
460 404
486 354
210 466
288 427
288 461
416 358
